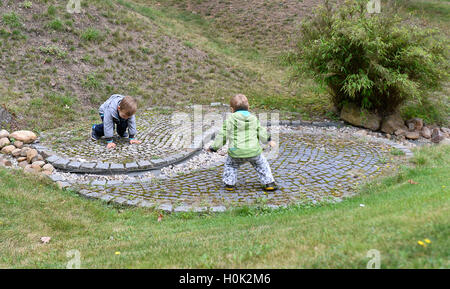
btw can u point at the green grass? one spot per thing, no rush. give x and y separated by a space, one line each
395 216
435 10
12 20
92 35
51 10
93 82
273 92
27 4
56 25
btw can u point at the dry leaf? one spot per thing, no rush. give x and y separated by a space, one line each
160 217
45 240
412 182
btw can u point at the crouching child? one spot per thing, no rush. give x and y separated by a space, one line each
117 112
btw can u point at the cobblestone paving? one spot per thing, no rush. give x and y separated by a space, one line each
159 135
308 167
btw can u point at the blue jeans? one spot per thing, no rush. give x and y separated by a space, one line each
121 127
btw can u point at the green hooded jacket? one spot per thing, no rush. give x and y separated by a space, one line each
243 131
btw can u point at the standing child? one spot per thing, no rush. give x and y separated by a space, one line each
117 111
244 131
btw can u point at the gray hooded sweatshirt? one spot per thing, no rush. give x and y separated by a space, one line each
111 115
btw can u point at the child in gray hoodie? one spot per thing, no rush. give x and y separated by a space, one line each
118 110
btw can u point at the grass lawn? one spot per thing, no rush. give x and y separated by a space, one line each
396 215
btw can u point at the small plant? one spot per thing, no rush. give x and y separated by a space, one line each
91 35
145 50
86 58
12 20
51 10
397 152
27 5
92 82
56 25
188 44
54 51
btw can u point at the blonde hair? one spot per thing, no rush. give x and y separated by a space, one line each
128 106
239 102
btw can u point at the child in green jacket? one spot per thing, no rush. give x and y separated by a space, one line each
244 132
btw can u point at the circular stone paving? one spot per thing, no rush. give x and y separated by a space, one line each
307 167
166 138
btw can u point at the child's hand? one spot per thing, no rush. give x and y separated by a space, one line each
135 141
111 145
272 144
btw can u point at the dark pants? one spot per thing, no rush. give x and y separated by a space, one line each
121 127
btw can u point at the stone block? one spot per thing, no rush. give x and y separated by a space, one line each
73 165
132 166
61 163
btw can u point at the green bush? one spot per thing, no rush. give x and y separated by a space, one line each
376 61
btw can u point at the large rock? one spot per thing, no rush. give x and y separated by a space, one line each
6 163
4 133
445 141
23 164
8 149
355 116
16 153
437 135
21 159
4 142
39 163
446 132
31 154
28 169
412 135
37 158
24 151
400 132
393 122
48 168
24 136
415 124
36 167
425 132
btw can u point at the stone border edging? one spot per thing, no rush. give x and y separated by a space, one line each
93 167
